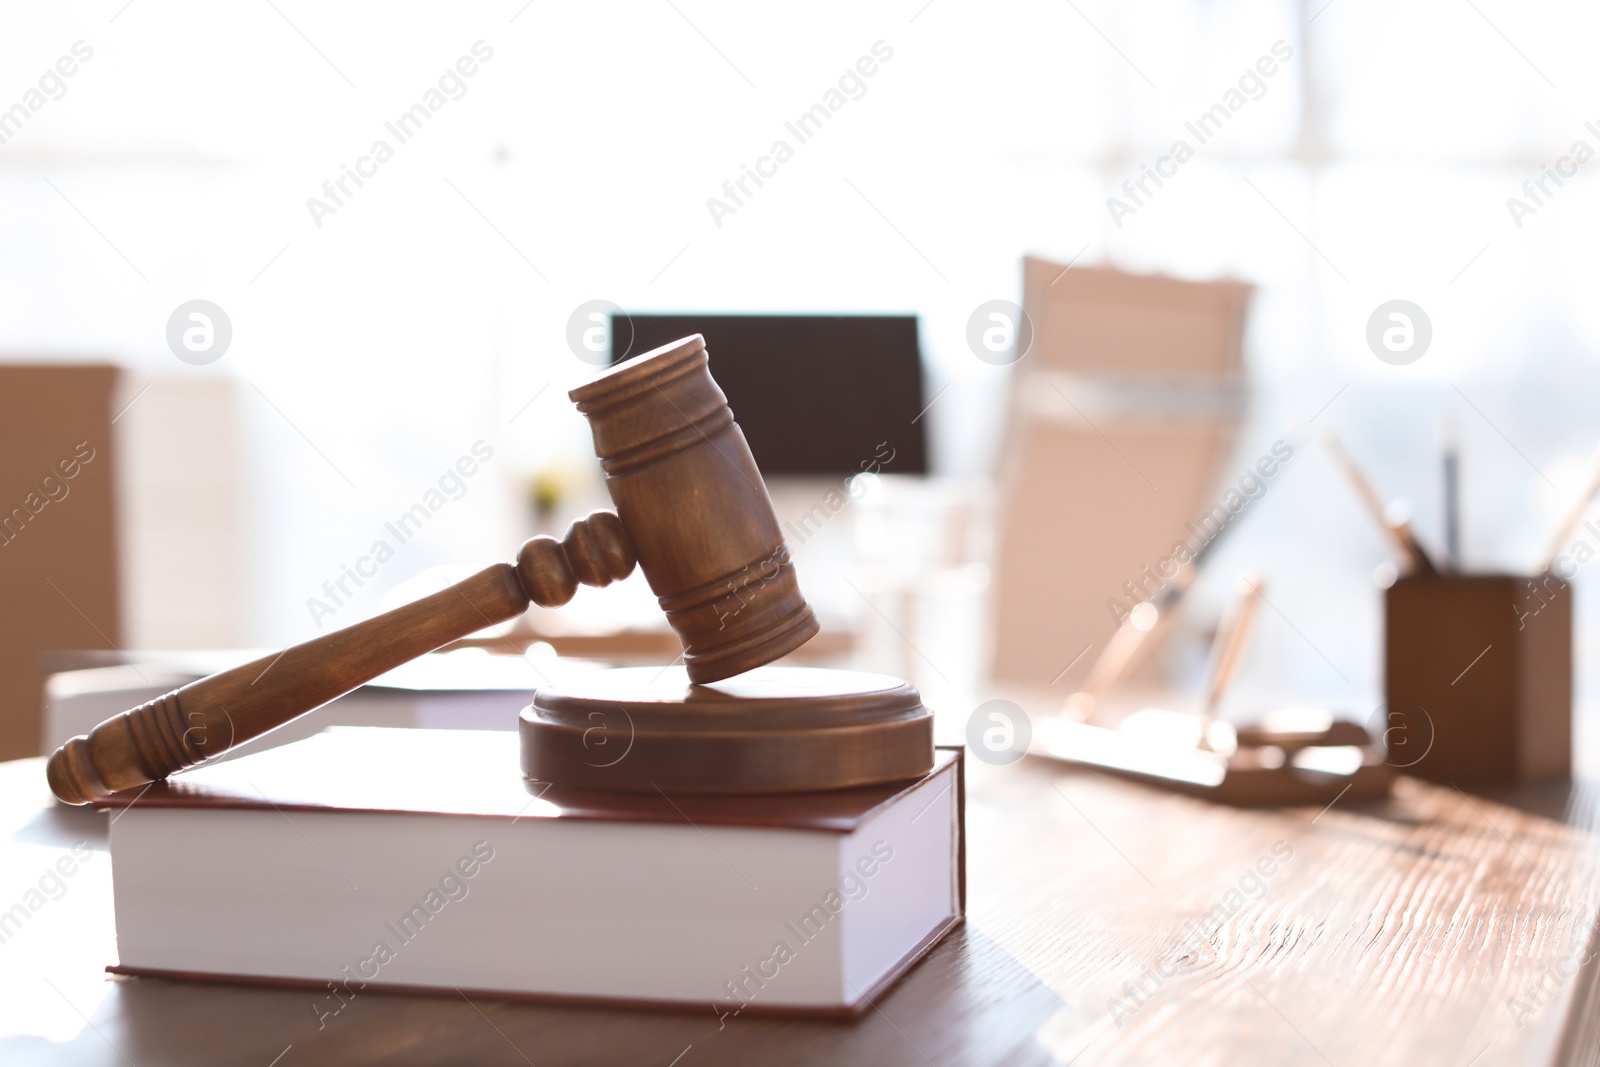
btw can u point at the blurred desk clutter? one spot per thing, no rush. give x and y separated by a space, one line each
1284 757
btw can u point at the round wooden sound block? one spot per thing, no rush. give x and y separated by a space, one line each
770 730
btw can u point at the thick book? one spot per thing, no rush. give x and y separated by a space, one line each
420 860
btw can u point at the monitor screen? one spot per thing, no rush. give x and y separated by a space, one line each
814 394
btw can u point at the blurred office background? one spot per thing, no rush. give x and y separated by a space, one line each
430 311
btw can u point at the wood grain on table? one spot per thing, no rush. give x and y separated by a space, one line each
1108 924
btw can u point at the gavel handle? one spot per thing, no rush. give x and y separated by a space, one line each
210 716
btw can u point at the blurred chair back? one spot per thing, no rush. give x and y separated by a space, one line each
1123 417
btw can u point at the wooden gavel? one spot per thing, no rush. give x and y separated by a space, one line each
692 511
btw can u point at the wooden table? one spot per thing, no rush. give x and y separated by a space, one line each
1433 929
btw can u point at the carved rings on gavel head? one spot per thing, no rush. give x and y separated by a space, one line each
691 497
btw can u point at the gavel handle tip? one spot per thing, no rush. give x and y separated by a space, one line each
71 774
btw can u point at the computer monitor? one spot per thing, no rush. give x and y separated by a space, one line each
814 394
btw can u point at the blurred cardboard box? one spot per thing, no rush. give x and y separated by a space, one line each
58 530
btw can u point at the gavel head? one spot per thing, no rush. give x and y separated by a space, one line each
691 497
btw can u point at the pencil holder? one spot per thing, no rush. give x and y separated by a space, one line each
1478 677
